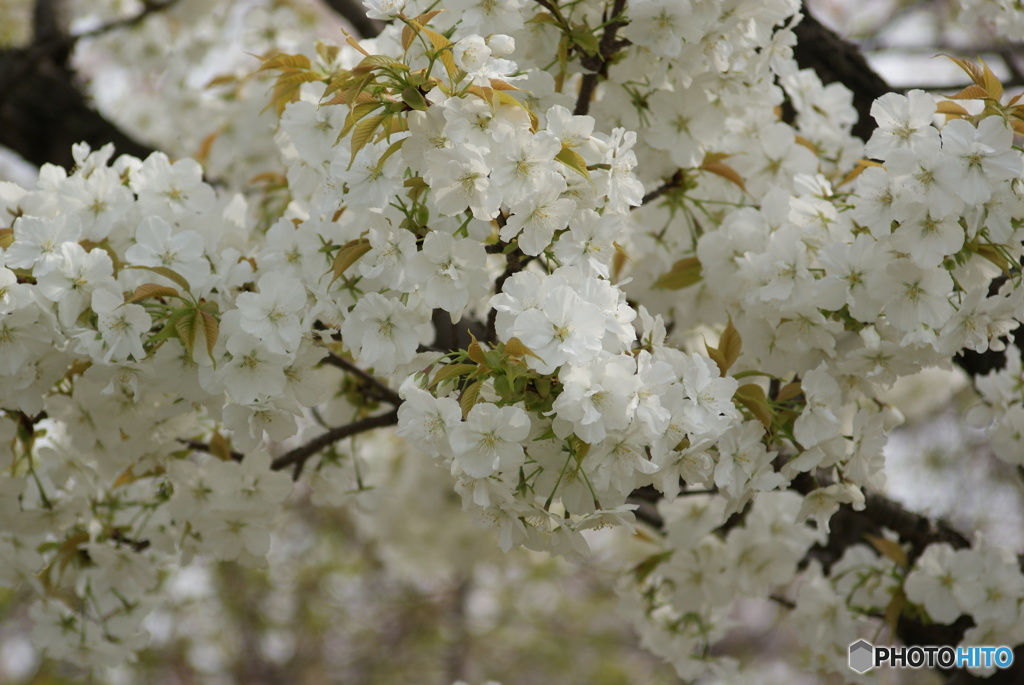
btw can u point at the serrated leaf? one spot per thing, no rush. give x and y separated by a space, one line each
582 36
363 132
211 329
753 398
950 108
572 159
504 98
644 569
443 49
353 42
147 290
221 80
971 93
382 61
469 397
683 274
730 344
498 84
414 98
451 371
125 478
715 356
355 93
579 448
515 349
286 89
169 329
220 447
485 94
889 549
726 172
347 256
976 73
166 273
894 609
413 27
475 351
392 149
619 260
990 82
284 61
187 327
327 53
995 256
800 140
789 391
862 164
341 80
355 114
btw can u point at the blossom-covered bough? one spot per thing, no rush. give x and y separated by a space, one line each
574 254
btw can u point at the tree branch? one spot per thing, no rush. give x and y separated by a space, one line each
43 111
376 387
354 13
836 59
598 64
298 456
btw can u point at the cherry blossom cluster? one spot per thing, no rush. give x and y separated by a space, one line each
580 263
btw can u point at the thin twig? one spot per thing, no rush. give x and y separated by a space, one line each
598 64
513 264
380 390
200 446
671 184
147 9
300 454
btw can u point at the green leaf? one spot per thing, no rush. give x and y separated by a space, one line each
476 352
354 115
347 256
147 290
582 36
642 570
363 132
451 371
211 329
285 62
382 61
166 273
572 159
730 345
392 149
515 349
889 549
187 327
415 26
894 609
414 98
683 274
753 398
789 391
469 397
993 255
443 50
